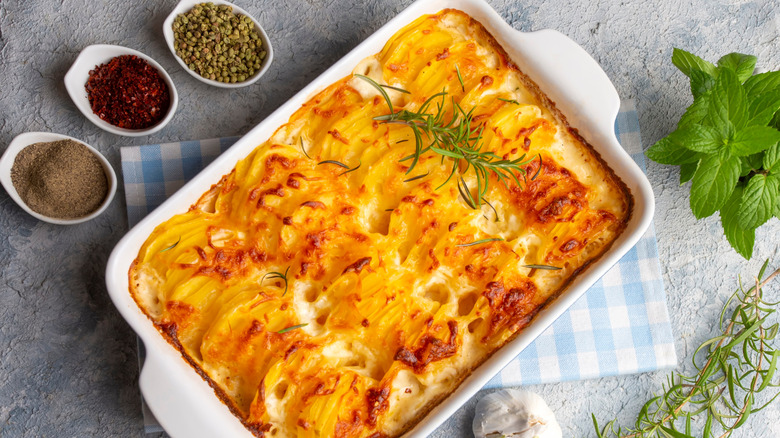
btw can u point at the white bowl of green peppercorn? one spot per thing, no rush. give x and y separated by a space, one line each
218 43
68 184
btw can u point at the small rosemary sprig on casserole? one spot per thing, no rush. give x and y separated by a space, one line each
275 274
458 139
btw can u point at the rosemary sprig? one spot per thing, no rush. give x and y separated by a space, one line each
274 274
457 138
291 328
170 247
478 242
732 369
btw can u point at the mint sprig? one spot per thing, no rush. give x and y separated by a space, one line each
728 144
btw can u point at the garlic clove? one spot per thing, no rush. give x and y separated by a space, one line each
514 413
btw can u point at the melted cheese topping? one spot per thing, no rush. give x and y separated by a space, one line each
396 313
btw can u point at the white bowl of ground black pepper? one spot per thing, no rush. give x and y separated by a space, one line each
56 178
220 53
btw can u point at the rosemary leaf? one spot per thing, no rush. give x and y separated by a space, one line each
291 328
170 247
447 153
304 149
390 87
417 177
543 267
360 163
509 100
381 90
337 163
494 209
478 242
465 193
539 169
460 78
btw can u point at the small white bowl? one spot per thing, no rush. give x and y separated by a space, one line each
22 141
97 54
185 6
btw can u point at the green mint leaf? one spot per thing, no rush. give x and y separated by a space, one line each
774 179
686 171
740 239
755 161
753 139
699 138
728 104
697 112
763 108
758 201
746 167
762 83
688 62
700 83
669 150
771 160
751 163
742 65
713 183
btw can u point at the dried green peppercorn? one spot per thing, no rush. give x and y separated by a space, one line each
217 43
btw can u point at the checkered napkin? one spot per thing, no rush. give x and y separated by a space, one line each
619 326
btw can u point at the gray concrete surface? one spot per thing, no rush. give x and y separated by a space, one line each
67 359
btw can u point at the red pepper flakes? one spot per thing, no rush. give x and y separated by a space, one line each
128 92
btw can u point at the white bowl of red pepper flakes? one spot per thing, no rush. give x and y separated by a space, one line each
121 90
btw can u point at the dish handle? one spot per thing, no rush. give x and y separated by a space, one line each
171 391
587 97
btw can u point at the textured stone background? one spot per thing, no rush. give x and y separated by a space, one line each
67 359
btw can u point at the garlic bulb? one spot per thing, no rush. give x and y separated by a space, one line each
516 414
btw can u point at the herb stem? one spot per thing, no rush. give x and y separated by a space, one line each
745 333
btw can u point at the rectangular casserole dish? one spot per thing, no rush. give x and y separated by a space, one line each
186 405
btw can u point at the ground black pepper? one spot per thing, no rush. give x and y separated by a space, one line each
128 92
60 179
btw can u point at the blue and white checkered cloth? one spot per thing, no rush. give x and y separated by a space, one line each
619 326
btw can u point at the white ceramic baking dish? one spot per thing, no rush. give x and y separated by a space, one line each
186 406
